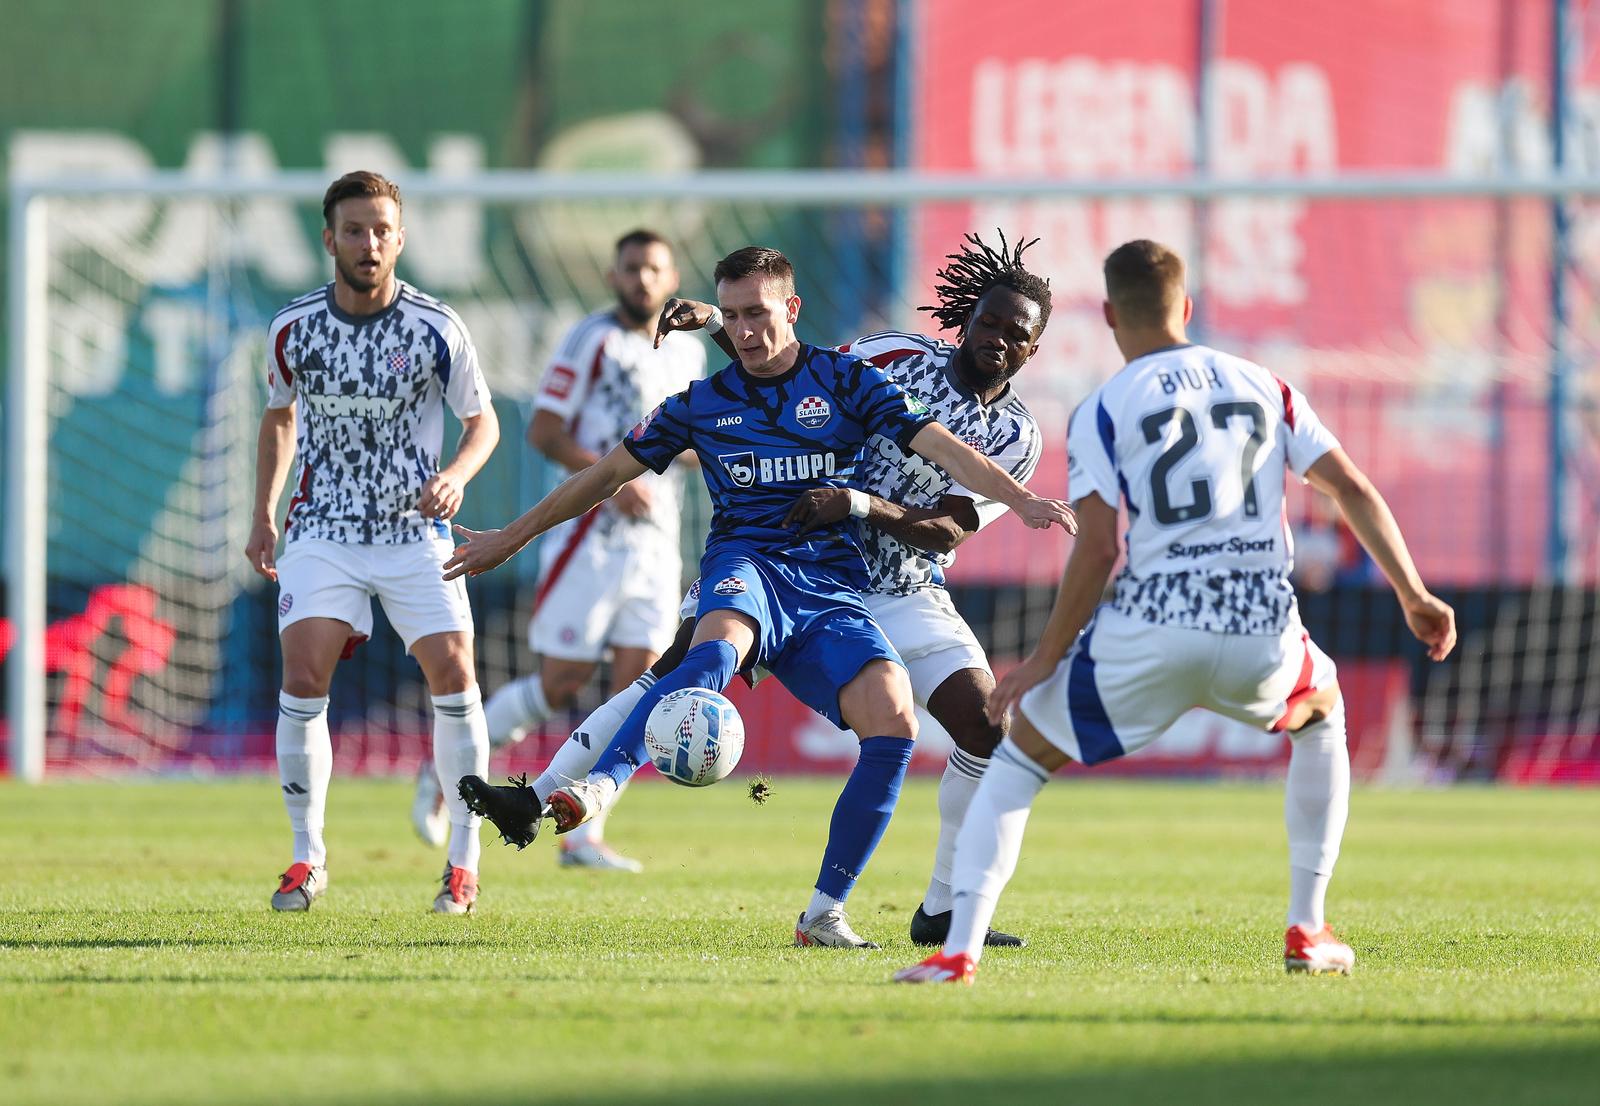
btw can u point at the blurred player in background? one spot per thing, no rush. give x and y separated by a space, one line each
610 579
785 417
358 372
1196 443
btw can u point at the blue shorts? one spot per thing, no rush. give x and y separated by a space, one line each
816 632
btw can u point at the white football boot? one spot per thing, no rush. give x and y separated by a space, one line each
830 929
576 803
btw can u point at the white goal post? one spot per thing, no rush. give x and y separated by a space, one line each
29 260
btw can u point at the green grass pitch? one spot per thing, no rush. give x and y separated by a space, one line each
139 962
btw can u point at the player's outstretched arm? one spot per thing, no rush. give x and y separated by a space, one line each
976 472
679 314
931 529
1430 618
486 549
441 496
274 452
1094 555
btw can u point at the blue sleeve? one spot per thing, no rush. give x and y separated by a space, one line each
883 406
662 434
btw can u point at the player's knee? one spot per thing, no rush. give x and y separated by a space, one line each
978 736
561 684
304 682
1319 706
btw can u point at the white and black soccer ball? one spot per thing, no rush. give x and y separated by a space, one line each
694 736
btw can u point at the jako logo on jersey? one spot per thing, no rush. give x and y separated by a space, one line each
730 420
812 412
731 586
741 467
284 604
353 407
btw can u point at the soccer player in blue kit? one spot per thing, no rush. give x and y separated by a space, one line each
784 418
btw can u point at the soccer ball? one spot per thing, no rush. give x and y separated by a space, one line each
694 737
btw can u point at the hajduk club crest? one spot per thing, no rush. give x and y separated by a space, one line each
812 412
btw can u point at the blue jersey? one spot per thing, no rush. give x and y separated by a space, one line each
764 441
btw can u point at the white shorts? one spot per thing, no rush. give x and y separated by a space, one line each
1126 680
932 639
591 598
329 579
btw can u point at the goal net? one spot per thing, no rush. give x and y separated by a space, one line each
1426 328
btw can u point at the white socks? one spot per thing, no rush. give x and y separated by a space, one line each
514 709
956 788
821 902
989 843
305 764
579 752
1316 803
460 748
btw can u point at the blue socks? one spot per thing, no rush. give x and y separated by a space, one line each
711 664
862 813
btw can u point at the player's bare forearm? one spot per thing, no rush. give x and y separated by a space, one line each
931 529
274 453
479 435
973 470
576 495
1370 519
550 434
1083 581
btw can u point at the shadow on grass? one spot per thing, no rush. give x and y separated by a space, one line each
1546 1076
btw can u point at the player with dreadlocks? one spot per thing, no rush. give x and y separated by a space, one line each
910 517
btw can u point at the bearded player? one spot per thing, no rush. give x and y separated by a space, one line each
359 371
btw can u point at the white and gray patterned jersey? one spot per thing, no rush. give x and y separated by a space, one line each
368 393
1004 431
1196 442
603 379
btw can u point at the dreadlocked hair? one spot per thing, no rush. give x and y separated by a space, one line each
974 270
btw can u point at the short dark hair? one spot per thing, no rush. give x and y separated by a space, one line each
362 182
759 261
975 270
1144 279
641 236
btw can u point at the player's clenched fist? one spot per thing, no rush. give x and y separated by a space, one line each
483 550
260 548
441 496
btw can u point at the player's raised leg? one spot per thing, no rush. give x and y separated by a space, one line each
516 810
586 846
311 648
513 710
723 638
958 703
875 702
460 748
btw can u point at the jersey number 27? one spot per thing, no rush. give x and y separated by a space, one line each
1155 427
